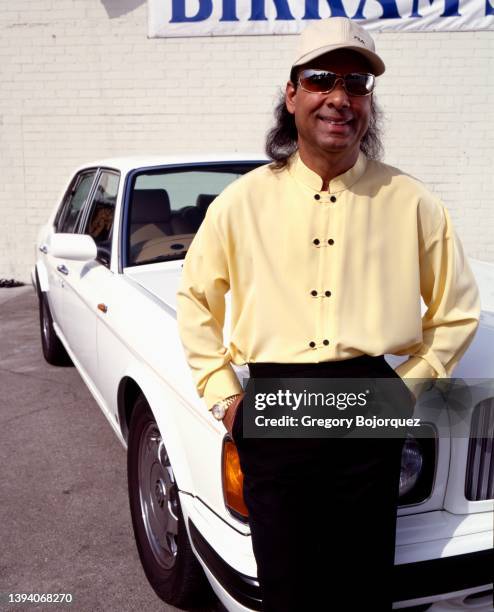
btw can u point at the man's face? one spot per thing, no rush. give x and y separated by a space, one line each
335 122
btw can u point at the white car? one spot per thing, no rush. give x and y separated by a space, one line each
108 263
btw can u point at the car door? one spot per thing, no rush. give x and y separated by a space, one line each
65 221
86 282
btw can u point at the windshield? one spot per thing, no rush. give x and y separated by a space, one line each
167 206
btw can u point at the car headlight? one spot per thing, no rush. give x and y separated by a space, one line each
412 462
418 465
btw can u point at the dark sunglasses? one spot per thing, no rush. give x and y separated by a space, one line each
322 81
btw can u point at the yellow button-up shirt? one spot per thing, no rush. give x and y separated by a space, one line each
325 275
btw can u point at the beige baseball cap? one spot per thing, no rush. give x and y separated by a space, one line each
325 35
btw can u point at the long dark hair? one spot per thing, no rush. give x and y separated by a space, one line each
281 140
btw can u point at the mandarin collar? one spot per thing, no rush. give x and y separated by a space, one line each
311 179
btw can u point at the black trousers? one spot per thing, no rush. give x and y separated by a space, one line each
322 512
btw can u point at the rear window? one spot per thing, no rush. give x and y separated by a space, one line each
167 206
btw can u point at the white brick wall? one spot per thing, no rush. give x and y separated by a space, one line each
80 80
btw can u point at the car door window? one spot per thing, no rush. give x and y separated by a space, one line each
75 201
102 212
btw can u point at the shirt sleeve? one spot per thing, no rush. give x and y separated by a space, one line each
451 295
201 314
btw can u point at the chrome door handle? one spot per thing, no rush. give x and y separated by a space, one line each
43 248
63 269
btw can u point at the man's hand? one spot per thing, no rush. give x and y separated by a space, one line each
231 412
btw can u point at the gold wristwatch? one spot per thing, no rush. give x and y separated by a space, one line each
219 409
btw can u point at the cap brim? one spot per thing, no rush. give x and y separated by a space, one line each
375 61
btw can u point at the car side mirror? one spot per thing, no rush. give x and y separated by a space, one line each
78 247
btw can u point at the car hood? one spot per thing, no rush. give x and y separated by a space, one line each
162 280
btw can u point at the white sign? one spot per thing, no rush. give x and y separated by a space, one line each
244 17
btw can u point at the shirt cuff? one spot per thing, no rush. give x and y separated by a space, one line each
416 373
221 384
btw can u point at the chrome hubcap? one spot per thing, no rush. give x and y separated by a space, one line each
158 496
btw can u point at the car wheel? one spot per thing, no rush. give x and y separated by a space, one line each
53 350
159 527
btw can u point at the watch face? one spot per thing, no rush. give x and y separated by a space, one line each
218 411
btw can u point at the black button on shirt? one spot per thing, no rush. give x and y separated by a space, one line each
313 292
330 241
333 198
312 344
315 241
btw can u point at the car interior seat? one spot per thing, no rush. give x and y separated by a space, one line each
150 218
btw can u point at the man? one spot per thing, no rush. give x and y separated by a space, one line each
326 253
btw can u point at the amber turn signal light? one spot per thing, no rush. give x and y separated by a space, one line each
233 480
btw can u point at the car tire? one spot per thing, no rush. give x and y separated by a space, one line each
53 350
159 527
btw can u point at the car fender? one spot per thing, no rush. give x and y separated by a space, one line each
42 274
163 402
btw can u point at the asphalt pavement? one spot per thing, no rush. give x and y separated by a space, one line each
65 524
